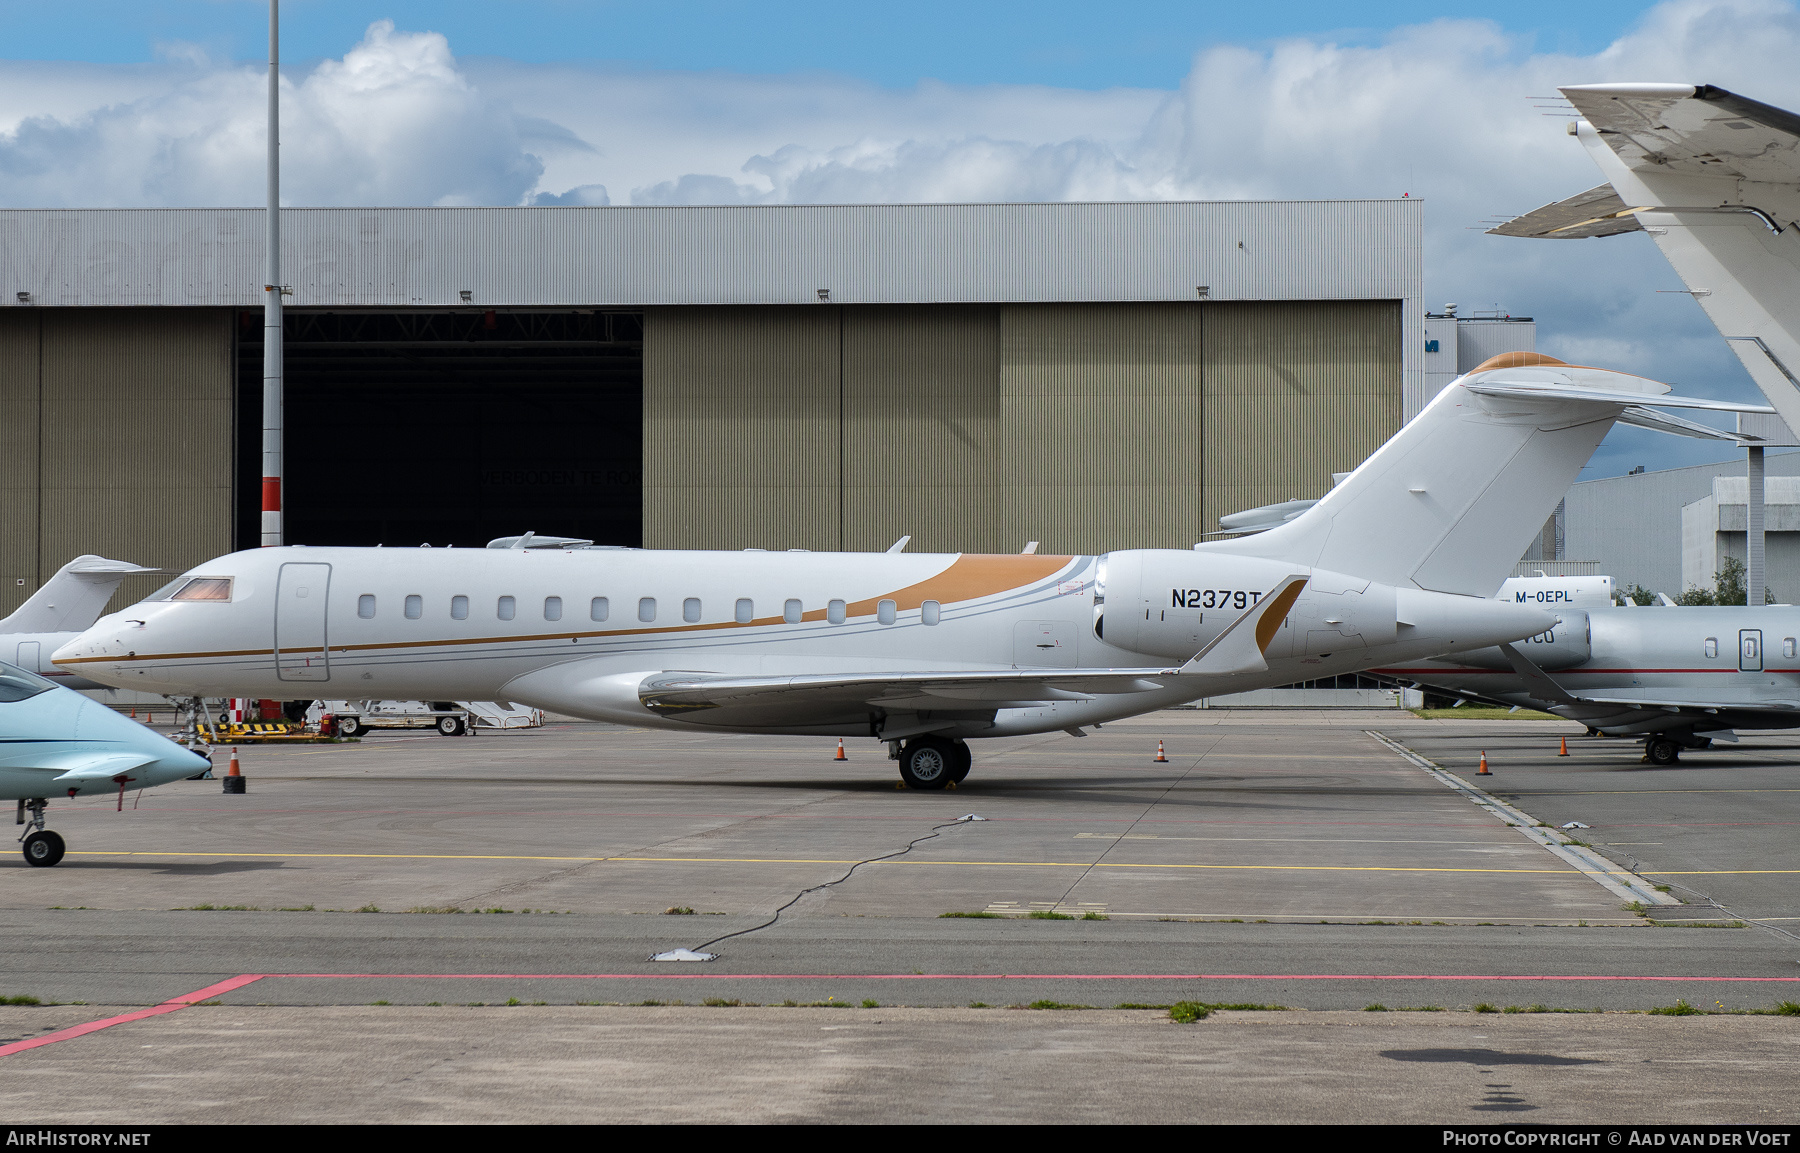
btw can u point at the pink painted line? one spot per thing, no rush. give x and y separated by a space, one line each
717 976
181 1002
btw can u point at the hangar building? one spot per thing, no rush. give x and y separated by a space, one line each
978 376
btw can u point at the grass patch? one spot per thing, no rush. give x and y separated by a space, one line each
1484 1007
979 1005
1093 916
1482 713
721 1003
1421 1008
434 909
434 1004
1187 1012
976 916
218 909
496 909
514 1001
1678 1009
20 999
380 1002
1375 1007
1049 915
1056 1005
369 909
1786 1009
298 909
868 1004
678 911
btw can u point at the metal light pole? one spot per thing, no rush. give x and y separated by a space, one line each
272 358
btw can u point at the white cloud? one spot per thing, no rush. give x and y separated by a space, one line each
1442 110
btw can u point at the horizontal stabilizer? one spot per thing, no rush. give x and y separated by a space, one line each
1674 425
1489 387
1596 212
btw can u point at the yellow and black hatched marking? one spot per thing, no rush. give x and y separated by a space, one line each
256 733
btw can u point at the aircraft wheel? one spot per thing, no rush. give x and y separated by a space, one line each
450 726
43 849
927 763
1659 751
964 761
350 727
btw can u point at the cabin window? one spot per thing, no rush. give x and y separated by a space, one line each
1787 647
790 612
1712 646
415 607
597 609
834 612
365 606
646 609
690 610
884 612
746 610
205 589
459 608
929 612
553 608
506 608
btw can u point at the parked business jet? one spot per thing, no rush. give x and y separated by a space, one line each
1679 677
1398 562
66 605
54 742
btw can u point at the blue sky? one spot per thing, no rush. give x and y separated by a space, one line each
1055 42
159 102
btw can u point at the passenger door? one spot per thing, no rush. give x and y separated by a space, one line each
300 645
1750 657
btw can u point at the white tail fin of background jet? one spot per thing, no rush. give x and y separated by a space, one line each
71 600
1451 502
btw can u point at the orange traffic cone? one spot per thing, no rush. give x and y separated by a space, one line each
134 712
1483 770
1161 758
234 776
1565 748
840 753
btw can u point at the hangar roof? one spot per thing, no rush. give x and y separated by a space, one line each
765 254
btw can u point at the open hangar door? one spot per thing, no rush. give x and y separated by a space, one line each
449 427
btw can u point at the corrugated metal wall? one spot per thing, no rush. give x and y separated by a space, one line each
1294 393
741 428
979 428
133 410
1103 441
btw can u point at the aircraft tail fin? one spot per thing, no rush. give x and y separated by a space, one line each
1453 499
71 601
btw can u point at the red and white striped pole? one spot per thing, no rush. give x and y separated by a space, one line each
273 399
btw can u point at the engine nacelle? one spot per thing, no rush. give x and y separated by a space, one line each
1569 644
1172 603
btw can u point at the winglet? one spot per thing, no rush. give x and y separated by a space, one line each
1241 647
1537 681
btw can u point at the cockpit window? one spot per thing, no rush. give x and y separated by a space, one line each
16 684
205 589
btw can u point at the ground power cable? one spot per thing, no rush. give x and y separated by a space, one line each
1148 809
697 953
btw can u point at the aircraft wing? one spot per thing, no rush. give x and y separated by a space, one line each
1693 130
1239 648
1596 212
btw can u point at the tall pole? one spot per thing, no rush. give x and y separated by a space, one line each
1753 551
272 359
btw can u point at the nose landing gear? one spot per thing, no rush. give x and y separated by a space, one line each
934 762
43 848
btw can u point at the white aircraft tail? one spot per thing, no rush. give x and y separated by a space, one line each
71 601
1453 499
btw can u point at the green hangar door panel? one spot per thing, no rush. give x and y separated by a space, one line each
1044 644
300 653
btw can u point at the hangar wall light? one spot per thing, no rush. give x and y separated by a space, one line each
824 295
24 298
467 296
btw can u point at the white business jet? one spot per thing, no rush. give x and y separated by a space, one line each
57 613
1396 563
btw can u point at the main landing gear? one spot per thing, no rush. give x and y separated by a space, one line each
43 848
934 762
1662 751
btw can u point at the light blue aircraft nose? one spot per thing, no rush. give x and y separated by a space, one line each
56 743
